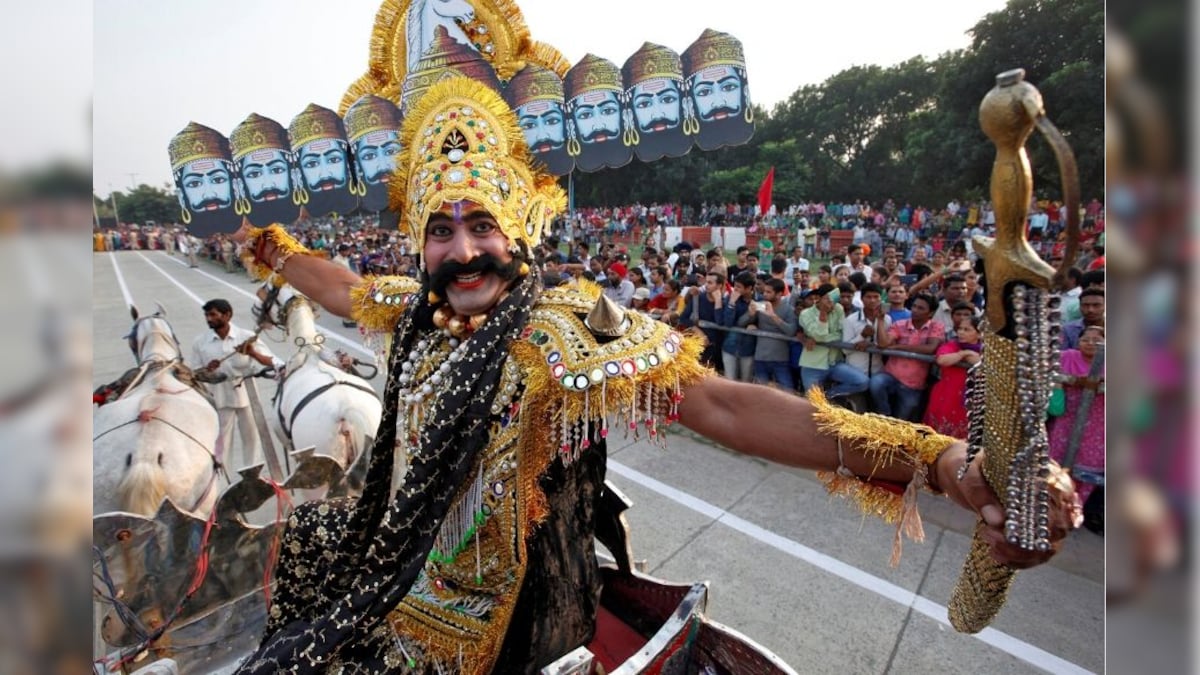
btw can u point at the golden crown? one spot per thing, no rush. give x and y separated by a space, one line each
713 48
592 73
256 133
312 123
371 113
461 142
649 62
533 83
197 141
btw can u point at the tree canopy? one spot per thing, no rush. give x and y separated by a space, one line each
909 131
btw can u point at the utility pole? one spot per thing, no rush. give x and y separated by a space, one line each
112 195
132 180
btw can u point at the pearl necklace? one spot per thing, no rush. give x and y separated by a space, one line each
415 385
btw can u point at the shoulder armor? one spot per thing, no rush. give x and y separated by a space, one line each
573 377
377 302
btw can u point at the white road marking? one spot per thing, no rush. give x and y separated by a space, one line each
187 291
1020 649
121 280
349 343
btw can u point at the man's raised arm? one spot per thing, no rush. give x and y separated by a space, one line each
323 281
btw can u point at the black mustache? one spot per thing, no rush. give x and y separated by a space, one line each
210 202
483 264
607 133
267 193
716 111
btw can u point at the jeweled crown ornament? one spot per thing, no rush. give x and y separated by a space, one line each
713 48
533 83
257 133
590 74
371 113
314 123
197 141
461 142
651 61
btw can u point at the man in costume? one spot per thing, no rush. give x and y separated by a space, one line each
499 396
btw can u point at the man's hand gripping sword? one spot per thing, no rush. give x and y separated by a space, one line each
1008 391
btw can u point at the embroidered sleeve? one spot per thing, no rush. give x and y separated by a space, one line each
885 440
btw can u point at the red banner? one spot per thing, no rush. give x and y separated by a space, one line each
764 192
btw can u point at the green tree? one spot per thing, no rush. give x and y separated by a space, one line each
145 203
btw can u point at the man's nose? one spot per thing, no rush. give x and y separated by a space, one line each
462 247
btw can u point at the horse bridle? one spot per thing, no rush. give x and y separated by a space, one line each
136 347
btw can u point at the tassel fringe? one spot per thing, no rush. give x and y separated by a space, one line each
885 441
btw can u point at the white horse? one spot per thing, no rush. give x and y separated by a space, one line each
320 405
156 440
426 15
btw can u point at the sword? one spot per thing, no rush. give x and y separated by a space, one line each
1086 399
1009 389
264 432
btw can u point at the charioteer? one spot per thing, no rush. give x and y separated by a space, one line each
499 397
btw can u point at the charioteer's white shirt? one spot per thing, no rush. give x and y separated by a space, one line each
208 346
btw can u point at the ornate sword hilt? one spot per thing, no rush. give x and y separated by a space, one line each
1009 389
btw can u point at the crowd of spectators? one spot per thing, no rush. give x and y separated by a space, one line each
888 323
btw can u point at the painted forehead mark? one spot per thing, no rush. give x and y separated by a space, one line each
456 209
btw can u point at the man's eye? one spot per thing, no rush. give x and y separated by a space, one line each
369 156
483 226
729 87
586 115
668 98
219 180
439 231
193 183
254 173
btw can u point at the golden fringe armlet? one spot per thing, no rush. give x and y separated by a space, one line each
253 254
376 305
884 440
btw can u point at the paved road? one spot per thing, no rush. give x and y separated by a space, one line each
799 572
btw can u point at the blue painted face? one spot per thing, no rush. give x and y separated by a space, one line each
597 116
266 175
323 164
206 185
542 123
376 153
656 105
718 93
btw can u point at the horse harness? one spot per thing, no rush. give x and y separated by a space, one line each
217 467
308 398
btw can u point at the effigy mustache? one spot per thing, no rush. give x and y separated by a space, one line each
484 263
